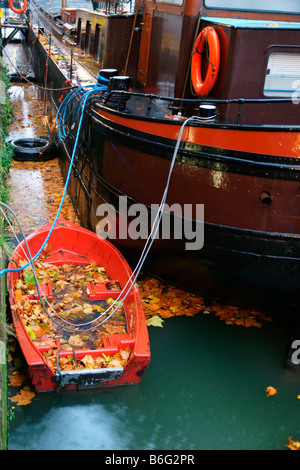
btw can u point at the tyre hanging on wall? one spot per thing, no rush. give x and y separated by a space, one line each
16 77
34 149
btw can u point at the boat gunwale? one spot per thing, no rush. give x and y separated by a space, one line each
205 123
286 168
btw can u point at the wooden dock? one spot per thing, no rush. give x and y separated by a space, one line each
12 25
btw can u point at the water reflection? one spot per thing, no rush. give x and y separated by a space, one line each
86 427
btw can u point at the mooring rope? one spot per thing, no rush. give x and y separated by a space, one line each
66 120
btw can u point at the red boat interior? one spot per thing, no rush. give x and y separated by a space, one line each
82 249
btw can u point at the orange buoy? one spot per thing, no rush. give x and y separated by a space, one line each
208 36
21 10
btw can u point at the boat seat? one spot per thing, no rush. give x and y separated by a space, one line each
60 257
103 290
45 291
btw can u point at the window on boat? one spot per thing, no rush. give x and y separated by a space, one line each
79 32
270 6
283 74
87 36
97 43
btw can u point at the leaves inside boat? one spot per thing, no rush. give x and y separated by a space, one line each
66 296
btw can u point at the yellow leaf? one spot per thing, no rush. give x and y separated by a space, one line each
155 321
155 300
30 332
87 308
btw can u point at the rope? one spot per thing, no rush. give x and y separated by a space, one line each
61 119
132 279
31 83
66 120
66 83
46 79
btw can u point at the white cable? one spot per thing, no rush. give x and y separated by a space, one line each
144 254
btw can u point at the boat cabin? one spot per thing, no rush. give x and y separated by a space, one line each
258 51
68 16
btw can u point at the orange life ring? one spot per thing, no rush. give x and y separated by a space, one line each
207 36
10 3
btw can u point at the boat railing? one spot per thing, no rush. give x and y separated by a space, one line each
156 106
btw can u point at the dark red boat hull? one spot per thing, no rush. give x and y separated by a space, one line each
251 250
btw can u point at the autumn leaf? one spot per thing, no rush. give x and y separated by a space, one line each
120 359
18 295
76 341
155 321
154 300
271 391
88 361
116 361
24 397
112 329
293 445
87 308
17 379
125 354
166 301
29 278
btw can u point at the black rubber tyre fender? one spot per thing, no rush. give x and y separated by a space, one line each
16 77
35 149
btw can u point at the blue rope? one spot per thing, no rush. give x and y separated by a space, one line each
81 94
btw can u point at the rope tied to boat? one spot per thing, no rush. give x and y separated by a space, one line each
66 120
66 83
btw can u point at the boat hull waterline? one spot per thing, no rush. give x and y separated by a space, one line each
254 238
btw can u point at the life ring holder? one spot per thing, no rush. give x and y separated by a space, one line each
10 3
202 86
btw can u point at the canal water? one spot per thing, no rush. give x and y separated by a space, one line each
204 390
205 387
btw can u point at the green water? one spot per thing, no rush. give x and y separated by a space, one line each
204 389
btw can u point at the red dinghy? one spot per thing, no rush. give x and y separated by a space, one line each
84 325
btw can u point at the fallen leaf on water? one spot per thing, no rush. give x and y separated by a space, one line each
271 391
155 321
166 301
293 445
22 398
17 379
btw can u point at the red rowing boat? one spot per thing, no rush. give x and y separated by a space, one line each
82 325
